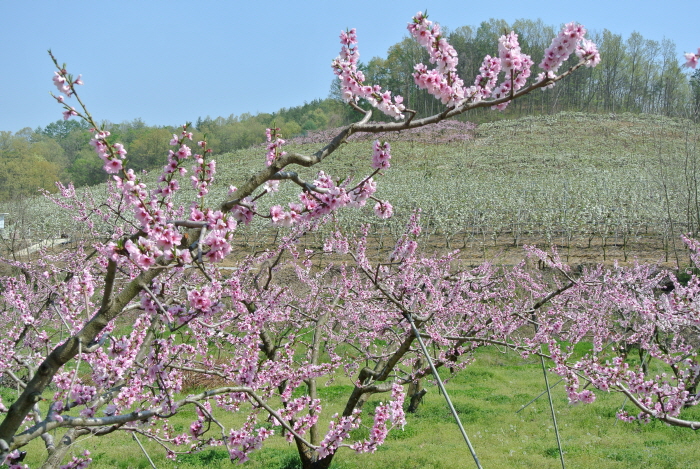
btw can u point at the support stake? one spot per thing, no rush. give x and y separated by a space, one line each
554 417
443 390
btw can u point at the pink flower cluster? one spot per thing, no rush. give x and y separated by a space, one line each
201 299
219 247
386 416
360 194
381 154
274 146
569 40
586 396
145 208
112 155
291 410
328 196
12 460
486 80
588 52
244 211
60 81
143 252
338 430
241 442
383 209
69 112
692 59
162 240
64 84
352 80
174 164
442 81
80 462
286 219
221 225
203 175
336 242
514 64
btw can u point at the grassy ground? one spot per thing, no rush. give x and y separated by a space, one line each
487 396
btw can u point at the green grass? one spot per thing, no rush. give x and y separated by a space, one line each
487 395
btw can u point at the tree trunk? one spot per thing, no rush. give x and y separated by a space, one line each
309 457
59 453
415 388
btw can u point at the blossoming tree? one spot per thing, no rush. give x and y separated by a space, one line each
117 326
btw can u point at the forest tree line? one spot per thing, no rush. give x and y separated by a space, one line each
636 75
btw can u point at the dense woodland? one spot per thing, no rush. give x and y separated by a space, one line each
636 75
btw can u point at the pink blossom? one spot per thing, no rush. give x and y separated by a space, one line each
274 146
588 52
381 155
219 247
244 213
184 152
272 186
68 113
119 149
60 82
363 192
383 209
352 79
113 166
443 82
563 46
692 59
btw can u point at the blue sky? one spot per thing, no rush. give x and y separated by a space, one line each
168 62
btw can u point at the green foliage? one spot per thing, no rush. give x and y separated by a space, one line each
205 458
28 162
86 169
61 129
150 149
695 88
684 276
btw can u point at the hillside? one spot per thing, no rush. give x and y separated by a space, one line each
599 186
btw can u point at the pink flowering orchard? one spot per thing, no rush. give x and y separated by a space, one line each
105 338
